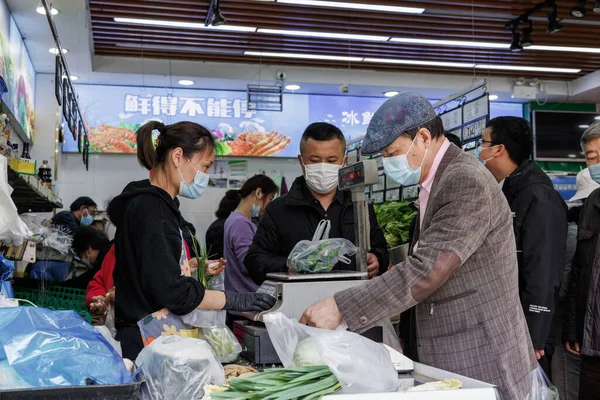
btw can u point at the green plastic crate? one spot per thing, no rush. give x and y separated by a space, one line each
57 298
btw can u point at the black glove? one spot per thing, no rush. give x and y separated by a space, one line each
248 301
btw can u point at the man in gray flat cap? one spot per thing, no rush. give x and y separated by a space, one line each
462 275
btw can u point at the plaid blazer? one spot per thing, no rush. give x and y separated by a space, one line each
463 279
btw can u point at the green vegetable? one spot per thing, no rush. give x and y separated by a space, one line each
302 383
395 219
201 254
307 353
308 257
221 341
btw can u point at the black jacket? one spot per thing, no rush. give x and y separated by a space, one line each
147 271
294 217
67 221
215 238
540 224
582 322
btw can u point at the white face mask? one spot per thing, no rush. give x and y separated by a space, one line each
322 178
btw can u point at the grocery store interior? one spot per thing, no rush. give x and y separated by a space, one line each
81 78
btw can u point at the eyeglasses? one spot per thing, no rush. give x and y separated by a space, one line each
481 141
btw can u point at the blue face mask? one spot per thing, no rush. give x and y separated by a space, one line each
477 153
195 189
255 210
87 220
595 172
398 169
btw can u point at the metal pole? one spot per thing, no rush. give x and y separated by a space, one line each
362 228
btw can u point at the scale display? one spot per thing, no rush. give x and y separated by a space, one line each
352 175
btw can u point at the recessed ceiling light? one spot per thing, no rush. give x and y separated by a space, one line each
493 97
179 24
41 10
54 50
572 155
584 126
419 62
527 68
460 43
329 35
74 77
185 82
355 6
302 56
390 93
292 87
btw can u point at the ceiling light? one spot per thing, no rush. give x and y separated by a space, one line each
54 50
459 43
579 10
391 93
567 49
526 68
185 82
553 24
324 34
527 40
515 45
217 18
419 62
74 77
292 87
192 25
493 97
41 10
584 126
302 56
355 6
597 7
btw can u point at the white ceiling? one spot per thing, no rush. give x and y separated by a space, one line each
73 30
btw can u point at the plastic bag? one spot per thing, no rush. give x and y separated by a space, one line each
178 368
320 256
57 348
106 334
214 330
361 365
12 229
541 387
109 321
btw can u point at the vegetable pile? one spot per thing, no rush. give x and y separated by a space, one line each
320 256
395 219
302 383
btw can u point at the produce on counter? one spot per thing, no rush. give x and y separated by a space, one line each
223 343
448 384
238 371
320 256
303 383
395 218
307 354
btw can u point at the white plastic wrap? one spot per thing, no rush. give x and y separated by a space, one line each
361 365
12 229
541 387
105 332
175 368
214 330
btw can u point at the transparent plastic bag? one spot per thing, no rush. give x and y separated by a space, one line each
214 330
106 334
175 368
361 365
109 321
541 387
57 348
320 256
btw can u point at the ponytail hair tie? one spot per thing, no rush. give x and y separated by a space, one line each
162 129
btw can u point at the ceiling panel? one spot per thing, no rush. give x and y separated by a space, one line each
478 20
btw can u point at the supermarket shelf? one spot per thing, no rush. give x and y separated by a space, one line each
30 198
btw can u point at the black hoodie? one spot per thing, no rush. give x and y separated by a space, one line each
147 272
540 224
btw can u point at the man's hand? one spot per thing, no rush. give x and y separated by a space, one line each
325 315
98 305
372 265
215 267
573 348
539 354
110 296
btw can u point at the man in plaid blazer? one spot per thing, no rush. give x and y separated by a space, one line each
462 276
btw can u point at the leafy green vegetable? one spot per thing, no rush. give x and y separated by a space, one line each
201 254
395 219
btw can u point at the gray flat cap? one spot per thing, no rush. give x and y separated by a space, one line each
399 114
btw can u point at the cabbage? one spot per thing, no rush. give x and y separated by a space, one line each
307 354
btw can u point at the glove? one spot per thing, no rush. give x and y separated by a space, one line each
248 302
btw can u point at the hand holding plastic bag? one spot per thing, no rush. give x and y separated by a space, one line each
175 368
541 387
361 365
214 330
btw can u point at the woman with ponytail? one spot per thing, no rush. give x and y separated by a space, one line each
152 273
240 228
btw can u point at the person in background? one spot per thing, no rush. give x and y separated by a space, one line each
462 275
452 138
81 214
313 197
215 234
565 365
540 225
581 333
90 247
153 283
254 196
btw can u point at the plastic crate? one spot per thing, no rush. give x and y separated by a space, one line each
128 391
56 298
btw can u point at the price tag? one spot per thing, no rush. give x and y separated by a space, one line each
410 193
474 129
392 195
377 197
452 119
390 183
352 157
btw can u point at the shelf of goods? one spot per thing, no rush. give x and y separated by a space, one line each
30 194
